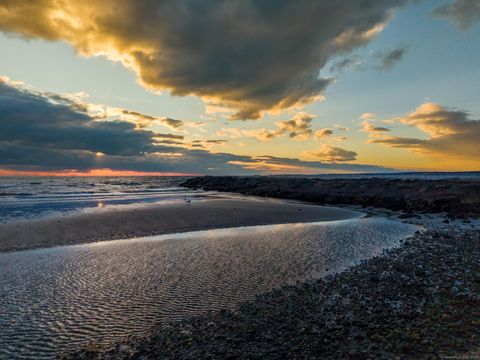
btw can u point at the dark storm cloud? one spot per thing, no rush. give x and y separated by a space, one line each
33 120
250 56
51 132
463 13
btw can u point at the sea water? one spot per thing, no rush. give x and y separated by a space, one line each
62 298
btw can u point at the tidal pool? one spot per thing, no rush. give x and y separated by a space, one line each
62 298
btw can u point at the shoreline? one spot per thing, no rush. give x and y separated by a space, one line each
459 198
160 219
107 291
420 300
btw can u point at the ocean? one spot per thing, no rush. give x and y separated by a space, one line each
33 197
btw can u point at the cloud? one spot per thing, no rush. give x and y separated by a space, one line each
181 142
34 119
321 133
388 58
334 154
232 133
384 59
52 132
44 132
206 144
367 126
144 121
463 13
265 166
169 136
271 164
451 133
299 128
371 129
353 61
368 116
250 56
263 135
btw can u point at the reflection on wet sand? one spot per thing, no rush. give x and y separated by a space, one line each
64 297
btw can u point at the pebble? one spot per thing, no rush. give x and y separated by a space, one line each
419 301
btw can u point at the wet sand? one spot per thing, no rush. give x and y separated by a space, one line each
418 301
163 218
64 298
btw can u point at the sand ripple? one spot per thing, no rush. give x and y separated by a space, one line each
61 298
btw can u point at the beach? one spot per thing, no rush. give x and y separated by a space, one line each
64 298
420 300
191 274
172 216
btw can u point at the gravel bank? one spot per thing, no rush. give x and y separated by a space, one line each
457 197
420 301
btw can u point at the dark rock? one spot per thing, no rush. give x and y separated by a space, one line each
459 198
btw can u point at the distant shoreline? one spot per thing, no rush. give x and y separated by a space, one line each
459 198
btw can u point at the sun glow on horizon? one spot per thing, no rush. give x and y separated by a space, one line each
93 172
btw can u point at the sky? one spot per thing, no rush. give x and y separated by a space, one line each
112 87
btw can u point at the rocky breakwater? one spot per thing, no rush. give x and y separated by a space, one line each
457 197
